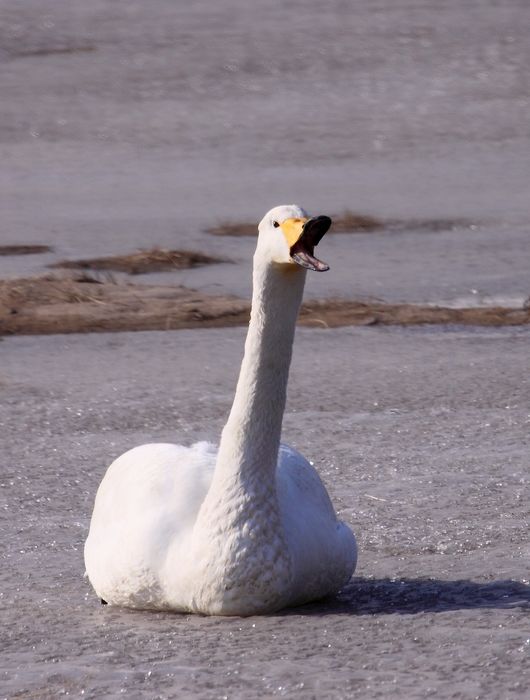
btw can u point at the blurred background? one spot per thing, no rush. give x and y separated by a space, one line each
127 124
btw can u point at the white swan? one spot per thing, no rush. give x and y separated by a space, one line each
246 529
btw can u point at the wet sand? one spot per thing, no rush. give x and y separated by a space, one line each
128 126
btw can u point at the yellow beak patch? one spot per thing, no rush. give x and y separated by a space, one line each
292 230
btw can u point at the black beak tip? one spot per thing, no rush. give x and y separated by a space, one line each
324 221
315 228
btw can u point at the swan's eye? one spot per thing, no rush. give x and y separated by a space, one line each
275 224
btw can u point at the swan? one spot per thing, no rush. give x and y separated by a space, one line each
248 528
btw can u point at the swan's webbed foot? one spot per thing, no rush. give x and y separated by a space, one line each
103 602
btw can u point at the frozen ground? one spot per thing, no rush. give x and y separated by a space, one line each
422 439
133 124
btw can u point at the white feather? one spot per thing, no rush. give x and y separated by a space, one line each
246 529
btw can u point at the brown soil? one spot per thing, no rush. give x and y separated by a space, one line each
24 249
52 305
335 313
428 225
233 228
49 305
353 222
155 260
52 51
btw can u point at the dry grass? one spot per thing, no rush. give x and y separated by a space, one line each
17 249
67 305
144 261
354 222
429 225
335 313
348 221
234 228
52 51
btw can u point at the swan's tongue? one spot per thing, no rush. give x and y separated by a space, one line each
305 259
312 233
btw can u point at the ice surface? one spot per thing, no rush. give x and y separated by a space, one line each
420 436
128 126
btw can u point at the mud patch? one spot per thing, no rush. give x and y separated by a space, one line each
346 222
334 313
354 222
69 305
51 51
233 228
86 305
154 260
430 225
24 249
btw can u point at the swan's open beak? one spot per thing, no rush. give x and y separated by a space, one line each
303 235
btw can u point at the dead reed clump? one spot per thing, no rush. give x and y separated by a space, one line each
52 51
34 292
88 304
355 222
334 313
142 262
20 249
346 222
233 228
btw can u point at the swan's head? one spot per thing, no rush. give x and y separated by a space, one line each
288 235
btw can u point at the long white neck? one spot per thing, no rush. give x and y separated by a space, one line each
251 437
239 546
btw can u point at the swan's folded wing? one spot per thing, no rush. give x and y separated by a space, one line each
322 548
146 505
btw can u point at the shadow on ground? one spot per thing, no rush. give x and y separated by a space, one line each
360 597
412 596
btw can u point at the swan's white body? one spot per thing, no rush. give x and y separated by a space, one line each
246 529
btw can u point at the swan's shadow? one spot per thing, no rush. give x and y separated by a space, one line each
411 596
